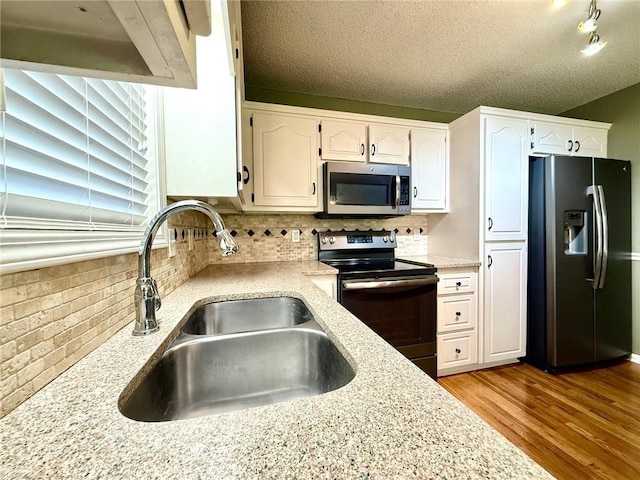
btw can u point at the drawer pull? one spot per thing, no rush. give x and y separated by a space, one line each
458 284
458 314
457 351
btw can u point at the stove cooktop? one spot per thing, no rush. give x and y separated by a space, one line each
369 253
397 266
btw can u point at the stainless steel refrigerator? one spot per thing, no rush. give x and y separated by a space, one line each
579 280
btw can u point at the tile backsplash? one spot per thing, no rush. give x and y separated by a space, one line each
50 318
267 238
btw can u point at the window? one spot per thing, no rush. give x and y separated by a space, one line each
79 174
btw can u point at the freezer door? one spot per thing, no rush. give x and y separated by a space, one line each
613 297
570 311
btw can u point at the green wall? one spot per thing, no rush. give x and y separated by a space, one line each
622 109
257 94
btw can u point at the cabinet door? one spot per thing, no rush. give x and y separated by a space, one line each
388 144
200 128
506 179
551 138
346 141
589 142
328 283
505 301
285 161
429 170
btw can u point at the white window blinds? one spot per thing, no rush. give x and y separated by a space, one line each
73 152
75 157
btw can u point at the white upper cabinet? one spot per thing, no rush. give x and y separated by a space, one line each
346 141
589 142
285 161
389 144
130 40
506 179
565 139
429 171
200 126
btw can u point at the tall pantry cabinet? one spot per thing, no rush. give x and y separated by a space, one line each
488 221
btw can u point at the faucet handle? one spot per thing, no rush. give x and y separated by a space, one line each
156 295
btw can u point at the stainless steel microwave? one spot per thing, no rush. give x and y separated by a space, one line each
365 189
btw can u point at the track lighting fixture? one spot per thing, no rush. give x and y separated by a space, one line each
594 45
590 24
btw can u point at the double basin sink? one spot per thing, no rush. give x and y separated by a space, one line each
239 354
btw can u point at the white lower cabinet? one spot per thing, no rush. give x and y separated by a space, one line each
457 322
328 283
456 312
456 350
505 301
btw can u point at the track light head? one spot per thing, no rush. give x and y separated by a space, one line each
594 45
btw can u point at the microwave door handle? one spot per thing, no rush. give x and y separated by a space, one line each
397 191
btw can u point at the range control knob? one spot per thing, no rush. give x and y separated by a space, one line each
385 239
324 240
332 240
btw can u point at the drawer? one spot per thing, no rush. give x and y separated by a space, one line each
457 312
457 349
457 283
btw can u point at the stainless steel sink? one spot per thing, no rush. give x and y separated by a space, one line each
214 374
246 315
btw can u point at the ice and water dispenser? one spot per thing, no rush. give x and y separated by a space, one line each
575 232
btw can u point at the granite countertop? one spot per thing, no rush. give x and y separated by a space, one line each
390 421
442 262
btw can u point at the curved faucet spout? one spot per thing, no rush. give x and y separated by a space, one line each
147 298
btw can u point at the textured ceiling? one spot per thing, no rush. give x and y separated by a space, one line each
443 55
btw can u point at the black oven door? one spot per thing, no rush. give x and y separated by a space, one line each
403 311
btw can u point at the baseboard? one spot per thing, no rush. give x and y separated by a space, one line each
635 358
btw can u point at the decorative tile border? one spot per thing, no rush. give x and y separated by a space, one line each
268 237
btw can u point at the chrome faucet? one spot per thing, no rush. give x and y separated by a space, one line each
147 299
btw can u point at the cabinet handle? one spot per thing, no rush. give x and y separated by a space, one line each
314 188
458 351
490 261
415 192
577 146
532 145
246 170
490 223
373 149
362 149
569 145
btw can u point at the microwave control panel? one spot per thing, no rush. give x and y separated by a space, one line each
404 206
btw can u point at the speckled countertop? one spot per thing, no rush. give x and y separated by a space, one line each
390 421
442 262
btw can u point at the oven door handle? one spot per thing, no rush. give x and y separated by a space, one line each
362 285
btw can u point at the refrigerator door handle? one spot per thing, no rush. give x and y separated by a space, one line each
605 235
597 269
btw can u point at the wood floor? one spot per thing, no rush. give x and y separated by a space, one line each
580 425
